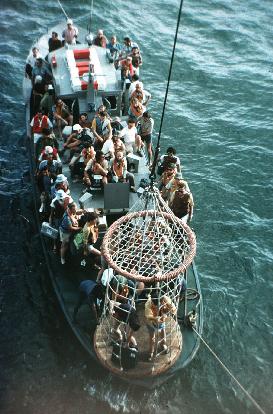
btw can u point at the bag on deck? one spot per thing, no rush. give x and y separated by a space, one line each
129 356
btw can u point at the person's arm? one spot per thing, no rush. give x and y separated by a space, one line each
191 204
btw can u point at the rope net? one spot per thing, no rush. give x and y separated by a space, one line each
147 251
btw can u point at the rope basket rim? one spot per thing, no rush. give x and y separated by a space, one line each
157 277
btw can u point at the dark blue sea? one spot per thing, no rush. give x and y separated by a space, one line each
219 117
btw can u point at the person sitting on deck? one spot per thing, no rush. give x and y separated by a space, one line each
117 143
181 202
118 170
73 140
90 235
68 227
99 166
90 292
30 63
167 159
54 42
79 163
61 115
131 138
157 309
100 40
39 122
136 59
136 109
83 120
70 34
101 128
146 126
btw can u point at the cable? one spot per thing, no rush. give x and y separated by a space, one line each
63 10
152 175
230 373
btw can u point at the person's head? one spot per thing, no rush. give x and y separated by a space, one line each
171 151
138 86
113 40
131 123
170 169
83 117
127 41
101 108
100 33
54 35
72 208
35 51
135 50
128 60
58 102
99 156
102 115
146 114
135 102
69 23
181 186
91 217
39 62
40 114
48 150
119 155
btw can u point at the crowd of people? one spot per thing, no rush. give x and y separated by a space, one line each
99 148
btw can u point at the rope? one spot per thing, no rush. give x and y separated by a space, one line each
152 175
91 14
259 408
63 10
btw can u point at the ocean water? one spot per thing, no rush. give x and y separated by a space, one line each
219 117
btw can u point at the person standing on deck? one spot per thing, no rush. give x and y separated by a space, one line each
181 202
70 34
54 42
100 40
31 60
68 227
38 123
89 292
146 126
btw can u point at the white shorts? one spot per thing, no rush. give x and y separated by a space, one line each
64 237
36 137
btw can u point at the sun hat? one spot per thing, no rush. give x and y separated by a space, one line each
48 150
69 21
60 178
61 194
77 128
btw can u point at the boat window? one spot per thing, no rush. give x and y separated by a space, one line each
110 102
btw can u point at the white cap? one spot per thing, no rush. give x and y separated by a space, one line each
60 178
61 194
50 87
48 150
69 21
77 128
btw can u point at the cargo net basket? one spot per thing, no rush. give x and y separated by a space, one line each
147 251
149 243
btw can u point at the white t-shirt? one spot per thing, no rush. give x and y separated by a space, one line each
108 146
128 135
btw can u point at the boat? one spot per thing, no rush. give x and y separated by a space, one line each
84 78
